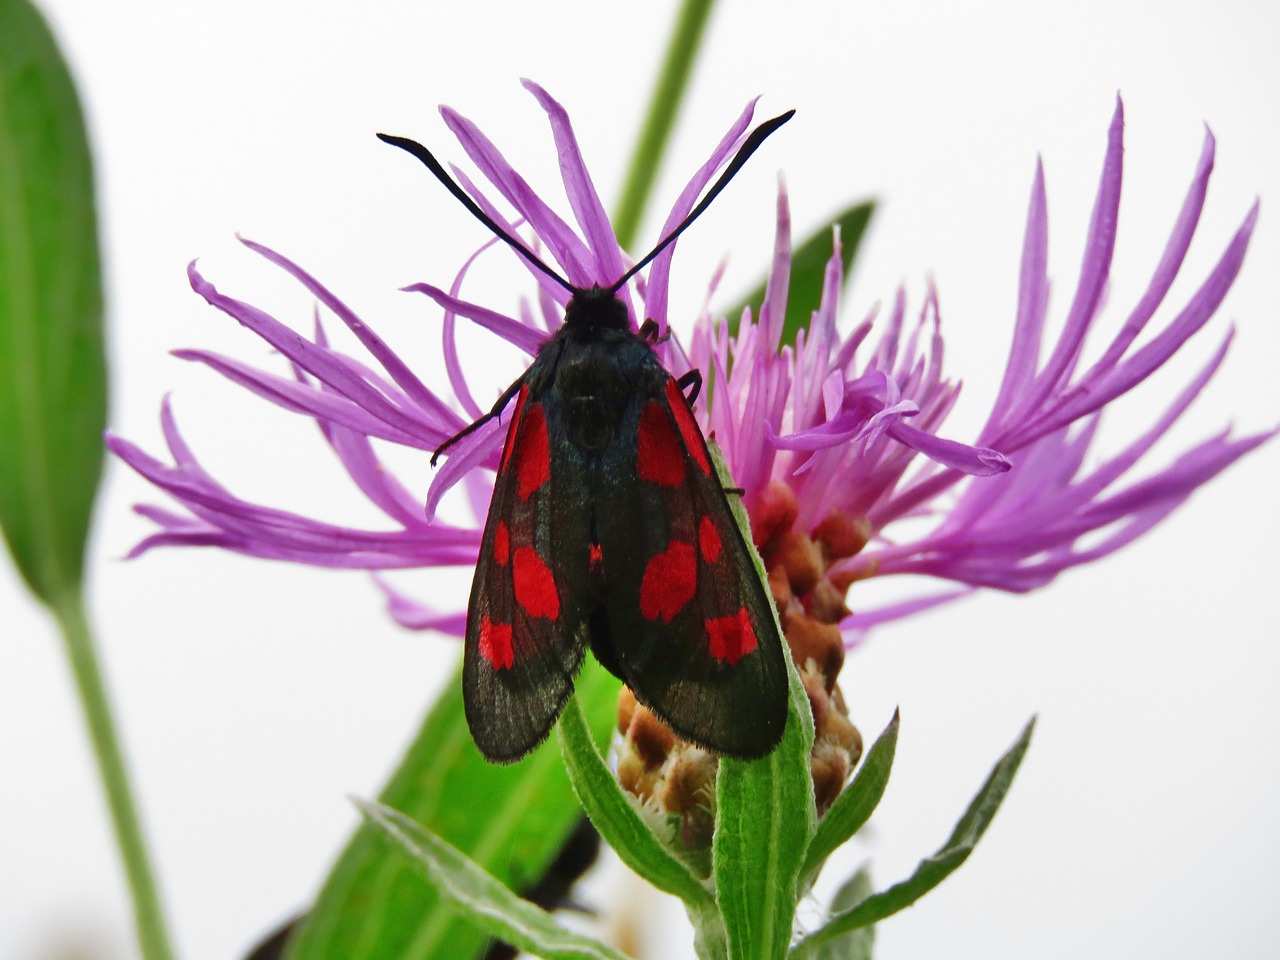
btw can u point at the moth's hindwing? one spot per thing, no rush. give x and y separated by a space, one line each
685 618
525 637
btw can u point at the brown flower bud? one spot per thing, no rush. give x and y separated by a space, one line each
830 768
626 707
773 513
841 535
650 737
780 588
843 579
802 560
688 790
819 642
826 603
634 775
840 731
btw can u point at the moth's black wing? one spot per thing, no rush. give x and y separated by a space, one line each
525 634
684 617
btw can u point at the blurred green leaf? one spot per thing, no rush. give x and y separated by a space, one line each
938 867
481 898
856 803
808 270
511 820
664 104
856 944
53 393
617 818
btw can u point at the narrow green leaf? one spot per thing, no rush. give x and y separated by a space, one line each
765 818
664 104
53 394
856 944
764 821
808 270
936 868
483 899
511 820
856 803
616 817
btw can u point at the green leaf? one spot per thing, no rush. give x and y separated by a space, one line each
664 103
616 817
938 867
483 899
808 270
765 818
856 803
856 944
511 820
53 394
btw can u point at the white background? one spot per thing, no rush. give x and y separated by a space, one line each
254 697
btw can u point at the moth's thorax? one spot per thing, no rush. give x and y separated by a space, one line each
596 307
599 373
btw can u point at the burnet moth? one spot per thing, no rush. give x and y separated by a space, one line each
610 528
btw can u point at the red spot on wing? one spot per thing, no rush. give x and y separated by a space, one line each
515 424
533 453
731 637
670 580
595 556
501 544
660 455
708 540
688 426
495 644
535 586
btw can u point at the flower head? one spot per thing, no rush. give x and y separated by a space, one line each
838 442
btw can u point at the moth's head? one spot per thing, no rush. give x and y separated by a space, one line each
596 307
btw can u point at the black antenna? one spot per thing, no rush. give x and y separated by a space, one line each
432 164
758 136
749 146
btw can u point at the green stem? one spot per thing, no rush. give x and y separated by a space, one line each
152 936
673 78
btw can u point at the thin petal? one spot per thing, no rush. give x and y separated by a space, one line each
587 208
526 338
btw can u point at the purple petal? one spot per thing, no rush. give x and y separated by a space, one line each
322 364
1170 262
856 625
478 448
975 461
1093 274
449 343
399 372
587 208
1033 296
526 338
773 311
299 398
416 616
660 269
569 251
1198 311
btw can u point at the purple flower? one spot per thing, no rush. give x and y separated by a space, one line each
838 442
